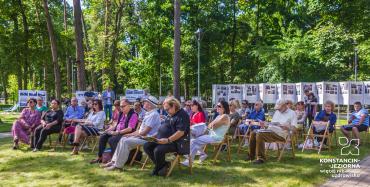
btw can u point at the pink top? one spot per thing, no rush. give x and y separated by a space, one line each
115 115
132 123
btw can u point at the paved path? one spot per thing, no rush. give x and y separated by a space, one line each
361 181
5 134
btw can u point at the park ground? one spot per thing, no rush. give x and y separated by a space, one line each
58 168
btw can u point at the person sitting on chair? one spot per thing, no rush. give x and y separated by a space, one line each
234 115
51 123
197 120
139 110
91 126
73 112
278 130
40 105
358 122
257 115
148 128
216 132
172 136
245 110
322 118
26 123
116 113
127 122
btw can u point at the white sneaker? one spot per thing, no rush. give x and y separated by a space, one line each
185 163
202 158
316 143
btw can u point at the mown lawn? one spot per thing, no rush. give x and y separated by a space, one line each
7 119
57 168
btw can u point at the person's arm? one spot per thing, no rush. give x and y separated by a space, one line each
362 119
131 124
220 121
66 115
81 112
59 119
22 118
303 119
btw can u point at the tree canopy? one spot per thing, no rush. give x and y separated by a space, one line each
130 43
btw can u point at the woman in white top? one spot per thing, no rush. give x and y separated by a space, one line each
216 132
89 126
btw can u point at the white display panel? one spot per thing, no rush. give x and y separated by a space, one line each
24 95
251 93
302 86
344 93
287 91
235 92
219 91
356 92
328 91
366 92
268 92
80 95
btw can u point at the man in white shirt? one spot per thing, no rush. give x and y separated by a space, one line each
282 122
148 128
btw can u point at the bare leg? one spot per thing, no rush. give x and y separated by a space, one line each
356 134
346 133
78 132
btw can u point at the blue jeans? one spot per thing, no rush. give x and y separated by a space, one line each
108 111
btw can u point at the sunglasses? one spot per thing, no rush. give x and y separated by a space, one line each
219 106
123 106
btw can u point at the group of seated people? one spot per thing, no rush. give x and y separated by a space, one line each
166 127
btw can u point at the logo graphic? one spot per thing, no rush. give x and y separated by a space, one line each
347 148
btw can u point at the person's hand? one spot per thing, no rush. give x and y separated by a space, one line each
162 141
114 133
48 126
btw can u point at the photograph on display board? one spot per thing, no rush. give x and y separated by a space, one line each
367 88
251 90
356 89
270 89
331 88
344 87
288 89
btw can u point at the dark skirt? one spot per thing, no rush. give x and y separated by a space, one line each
90 131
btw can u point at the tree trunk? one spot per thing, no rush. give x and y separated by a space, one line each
81 85
92 72
42 42
106 32
25 48
113 62
233 40
17 56
68 64
54 52
176 55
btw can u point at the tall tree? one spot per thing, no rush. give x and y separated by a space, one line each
81 76
176 54
68 60
25 47
54 51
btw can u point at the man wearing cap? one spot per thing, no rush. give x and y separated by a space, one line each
282 122
148 128
40 105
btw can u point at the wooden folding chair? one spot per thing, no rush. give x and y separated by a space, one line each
218 146
138 147
327 135
246 136
90 139
290 139
176 161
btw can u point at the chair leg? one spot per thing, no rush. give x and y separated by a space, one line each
145 162
82 144
228 149
95 144
173 164
282 152
217 152
321 143
133 158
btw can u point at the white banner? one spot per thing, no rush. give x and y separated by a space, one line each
235 92
133 94
287 91
328 91
80 95
302 86
250 92
268 93
219 91
367 92
24 95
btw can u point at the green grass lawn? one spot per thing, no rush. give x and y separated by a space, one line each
7 119
57 168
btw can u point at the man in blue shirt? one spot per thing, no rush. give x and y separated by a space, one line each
72 112
257 115
358 122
